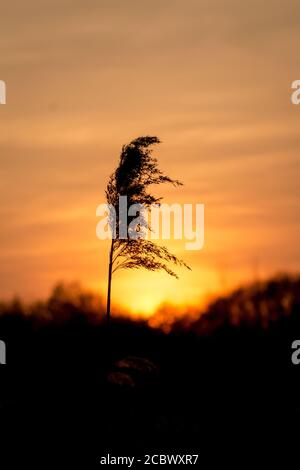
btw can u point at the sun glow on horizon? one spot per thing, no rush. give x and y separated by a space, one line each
142 294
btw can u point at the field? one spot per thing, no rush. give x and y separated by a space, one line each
74 388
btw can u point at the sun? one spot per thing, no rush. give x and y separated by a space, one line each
145 306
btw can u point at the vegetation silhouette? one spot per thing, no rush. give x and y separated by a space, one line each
224 380
137 170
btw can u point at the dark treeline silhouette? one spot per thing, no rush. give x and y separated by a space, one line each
259 304
216 385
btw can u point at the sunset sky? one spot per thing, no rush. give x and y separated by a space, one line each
212 79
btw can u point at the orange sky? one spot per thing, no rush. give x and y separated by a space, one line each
211 78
